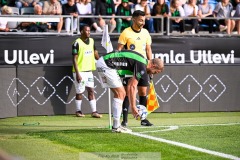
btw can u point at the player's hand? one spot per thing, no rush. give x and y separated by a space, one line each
135 112
78 77
150 76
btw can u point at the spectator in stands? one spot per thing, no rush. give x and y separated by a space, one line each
151 3
53 7
234 4
26 3
10 3
123 10
106 8
70 9
191 10
117 3
38 10
205 10
36 26
182 2
143 6
3 22
223 10
63 2
132 3
160 9
85 8
237 15
176 10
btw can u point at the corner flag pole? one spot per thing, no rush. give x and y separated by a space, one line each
109 109
106 43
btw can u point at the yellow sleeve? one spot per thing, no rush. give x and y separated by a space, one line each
122 38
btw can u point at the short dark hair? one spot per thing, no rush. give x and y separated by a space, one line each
138 13
83 26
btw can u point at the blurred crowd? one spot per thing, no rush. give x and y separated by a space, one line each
161 15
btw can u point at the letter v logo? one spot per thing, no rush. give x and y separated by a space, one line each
41 93
165 90
168 88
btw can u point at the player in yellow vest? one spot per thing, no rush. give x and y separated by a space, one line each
84 55
136 38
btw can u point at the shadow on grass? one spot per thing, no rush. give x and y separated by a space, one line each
74 131
90 140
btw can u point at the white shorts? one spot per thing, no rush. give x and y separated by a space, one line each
87 81
108 77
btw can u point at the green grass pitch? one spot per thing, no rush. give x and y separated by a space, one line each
66 137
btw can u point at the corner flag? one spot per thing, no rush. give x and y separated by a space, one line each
106 42
152 101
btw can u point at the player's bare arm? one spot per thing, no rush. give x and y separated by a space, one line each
120 47
131 93
96 55
78 77
149 52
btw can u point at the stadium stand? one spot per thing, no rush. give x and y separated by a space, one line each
13 25
203 27
27 11
15 19
15 11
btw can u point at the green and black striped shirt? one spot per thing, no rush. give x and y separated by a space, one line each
127 63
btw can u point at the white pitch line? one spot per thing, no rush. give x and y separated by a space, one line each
193 125
203 125
171 128
162 130
219 154
186 145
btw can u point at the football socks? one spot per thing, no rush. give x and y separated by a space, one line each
117 109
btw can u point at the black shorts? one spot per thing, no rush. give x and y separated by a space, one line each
141 82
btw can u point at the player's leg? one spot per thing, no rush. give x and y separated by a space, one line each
125 109
119 95
125 106
142 92
91 96
80 88
78 103
109 78
92 102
